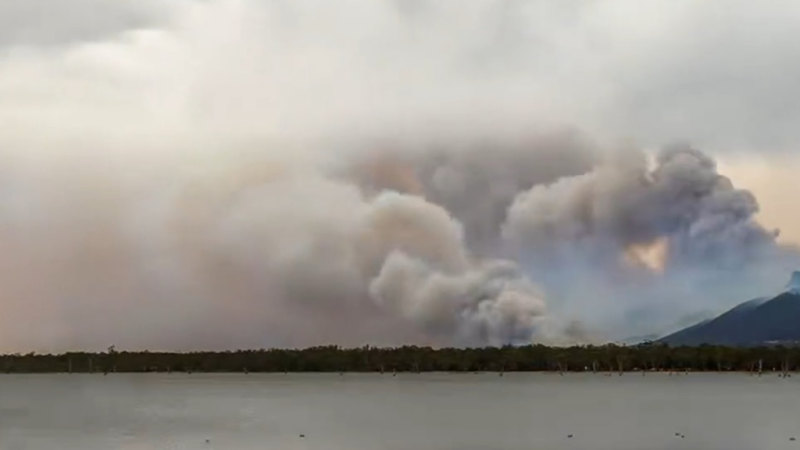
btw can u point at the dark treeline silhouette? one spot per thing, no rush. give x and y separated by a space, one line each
606 358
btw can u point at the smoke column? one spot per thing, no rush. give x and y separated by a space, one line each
298 175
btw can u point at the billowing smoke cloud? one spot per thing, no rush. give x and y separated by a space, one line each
674 222
477 181
405 256
491 304
293 176
263 254
267 252
624 204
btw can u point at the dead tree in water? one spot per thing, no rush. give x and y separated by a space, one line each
785 368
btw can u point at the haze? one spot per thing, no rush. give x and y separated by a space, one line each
227 174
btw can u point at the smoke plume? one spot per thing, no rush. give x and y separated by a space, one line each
298 174
673 234
624 204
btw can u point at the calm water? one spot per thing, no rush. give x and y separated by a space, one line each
381 412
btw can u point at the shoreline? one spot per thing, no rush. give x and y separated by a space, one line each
608 359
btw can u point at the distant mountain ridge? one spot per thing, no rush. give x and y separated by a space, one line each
761 321
794 283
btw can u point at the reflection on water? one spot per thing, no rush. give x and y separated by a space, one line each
406 412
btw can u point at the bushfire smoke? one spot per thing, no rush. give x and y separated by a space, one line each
289 179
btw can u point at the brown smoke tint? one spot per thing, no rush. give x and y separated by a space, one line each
222 174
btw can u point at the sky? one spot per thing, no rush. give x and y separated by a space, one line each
241 173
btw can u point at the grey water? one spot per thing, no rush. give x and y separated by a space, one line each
403 412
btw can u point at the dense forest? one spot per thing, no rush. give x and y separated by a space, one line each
606 358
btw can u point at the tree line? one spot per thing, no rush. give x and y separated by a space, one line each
604 358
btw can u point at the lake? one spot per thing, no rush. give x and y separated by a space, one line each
403 412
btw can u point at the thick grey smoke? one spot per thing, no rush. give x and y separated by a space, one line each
263 253
235 173
476 180
677 217
490 304
278 252
405 256
624 204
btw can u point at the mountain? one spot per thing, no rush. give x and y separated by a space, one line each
756 322
794 283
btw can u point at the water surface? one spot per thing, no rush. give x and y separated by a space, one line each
403 412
